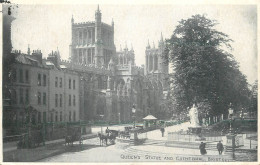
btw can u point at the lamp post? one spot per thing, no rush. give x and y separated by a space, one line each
133 111
230 111
101 116
231 136
118 118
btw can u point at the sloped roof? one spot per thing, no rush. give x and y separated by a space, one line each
150 117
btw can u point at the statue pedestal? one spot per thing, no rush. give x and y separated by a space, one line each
195 130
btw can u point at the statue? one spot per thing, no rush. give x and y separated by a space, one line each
194 118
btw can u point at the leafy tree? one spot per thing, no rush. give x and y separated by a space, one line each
204 73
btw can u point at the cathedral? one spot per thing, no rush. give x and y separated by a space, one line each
96 83
114 84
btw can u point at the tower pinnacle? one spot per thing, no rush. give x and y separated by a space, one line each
72 19
161 37
148 45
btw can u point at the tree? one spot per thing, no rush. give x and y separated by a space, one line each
203 72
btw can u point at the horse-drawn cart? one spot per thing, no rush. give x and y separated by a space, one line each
111 136
73 134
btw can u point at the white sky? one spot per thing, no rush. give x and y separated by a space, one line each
47 27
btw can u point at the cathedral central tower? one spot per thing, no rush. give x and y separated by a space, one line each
92 43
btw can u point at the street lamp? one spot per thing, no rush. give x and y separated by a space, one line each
231 136
118 118
133 111
230 111
101 116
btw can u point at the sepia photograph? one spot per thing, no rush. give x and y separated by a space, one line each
129 83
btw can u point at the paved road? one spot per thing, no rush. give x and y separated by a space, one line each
153 150
114 153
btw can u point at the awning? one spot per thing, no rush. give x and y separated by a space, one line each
150 117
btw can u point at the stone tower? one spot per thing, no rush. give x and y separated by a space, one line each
155 65
92 43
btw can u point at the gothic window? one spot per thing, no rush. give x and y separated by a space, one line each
85 37
155 63
89 56
85 56
151 63
80 56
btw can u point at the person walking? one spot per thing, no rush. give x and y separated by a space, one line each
162 131
202 148
220 147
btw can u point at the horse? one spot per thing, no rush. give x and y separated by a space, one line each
102 137
68 140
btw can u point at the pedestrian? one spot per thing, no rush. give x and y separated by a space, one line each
107 131
220 147
202 148
162 131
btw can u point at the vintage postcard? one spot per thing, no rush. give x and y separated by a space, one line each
129 82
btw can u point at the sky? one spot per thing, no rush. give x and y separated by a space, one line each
48 27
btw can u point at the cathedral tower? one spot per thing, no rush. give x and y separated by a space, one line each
92 43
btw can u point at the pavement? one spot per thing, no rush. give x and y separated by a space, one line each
153 149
